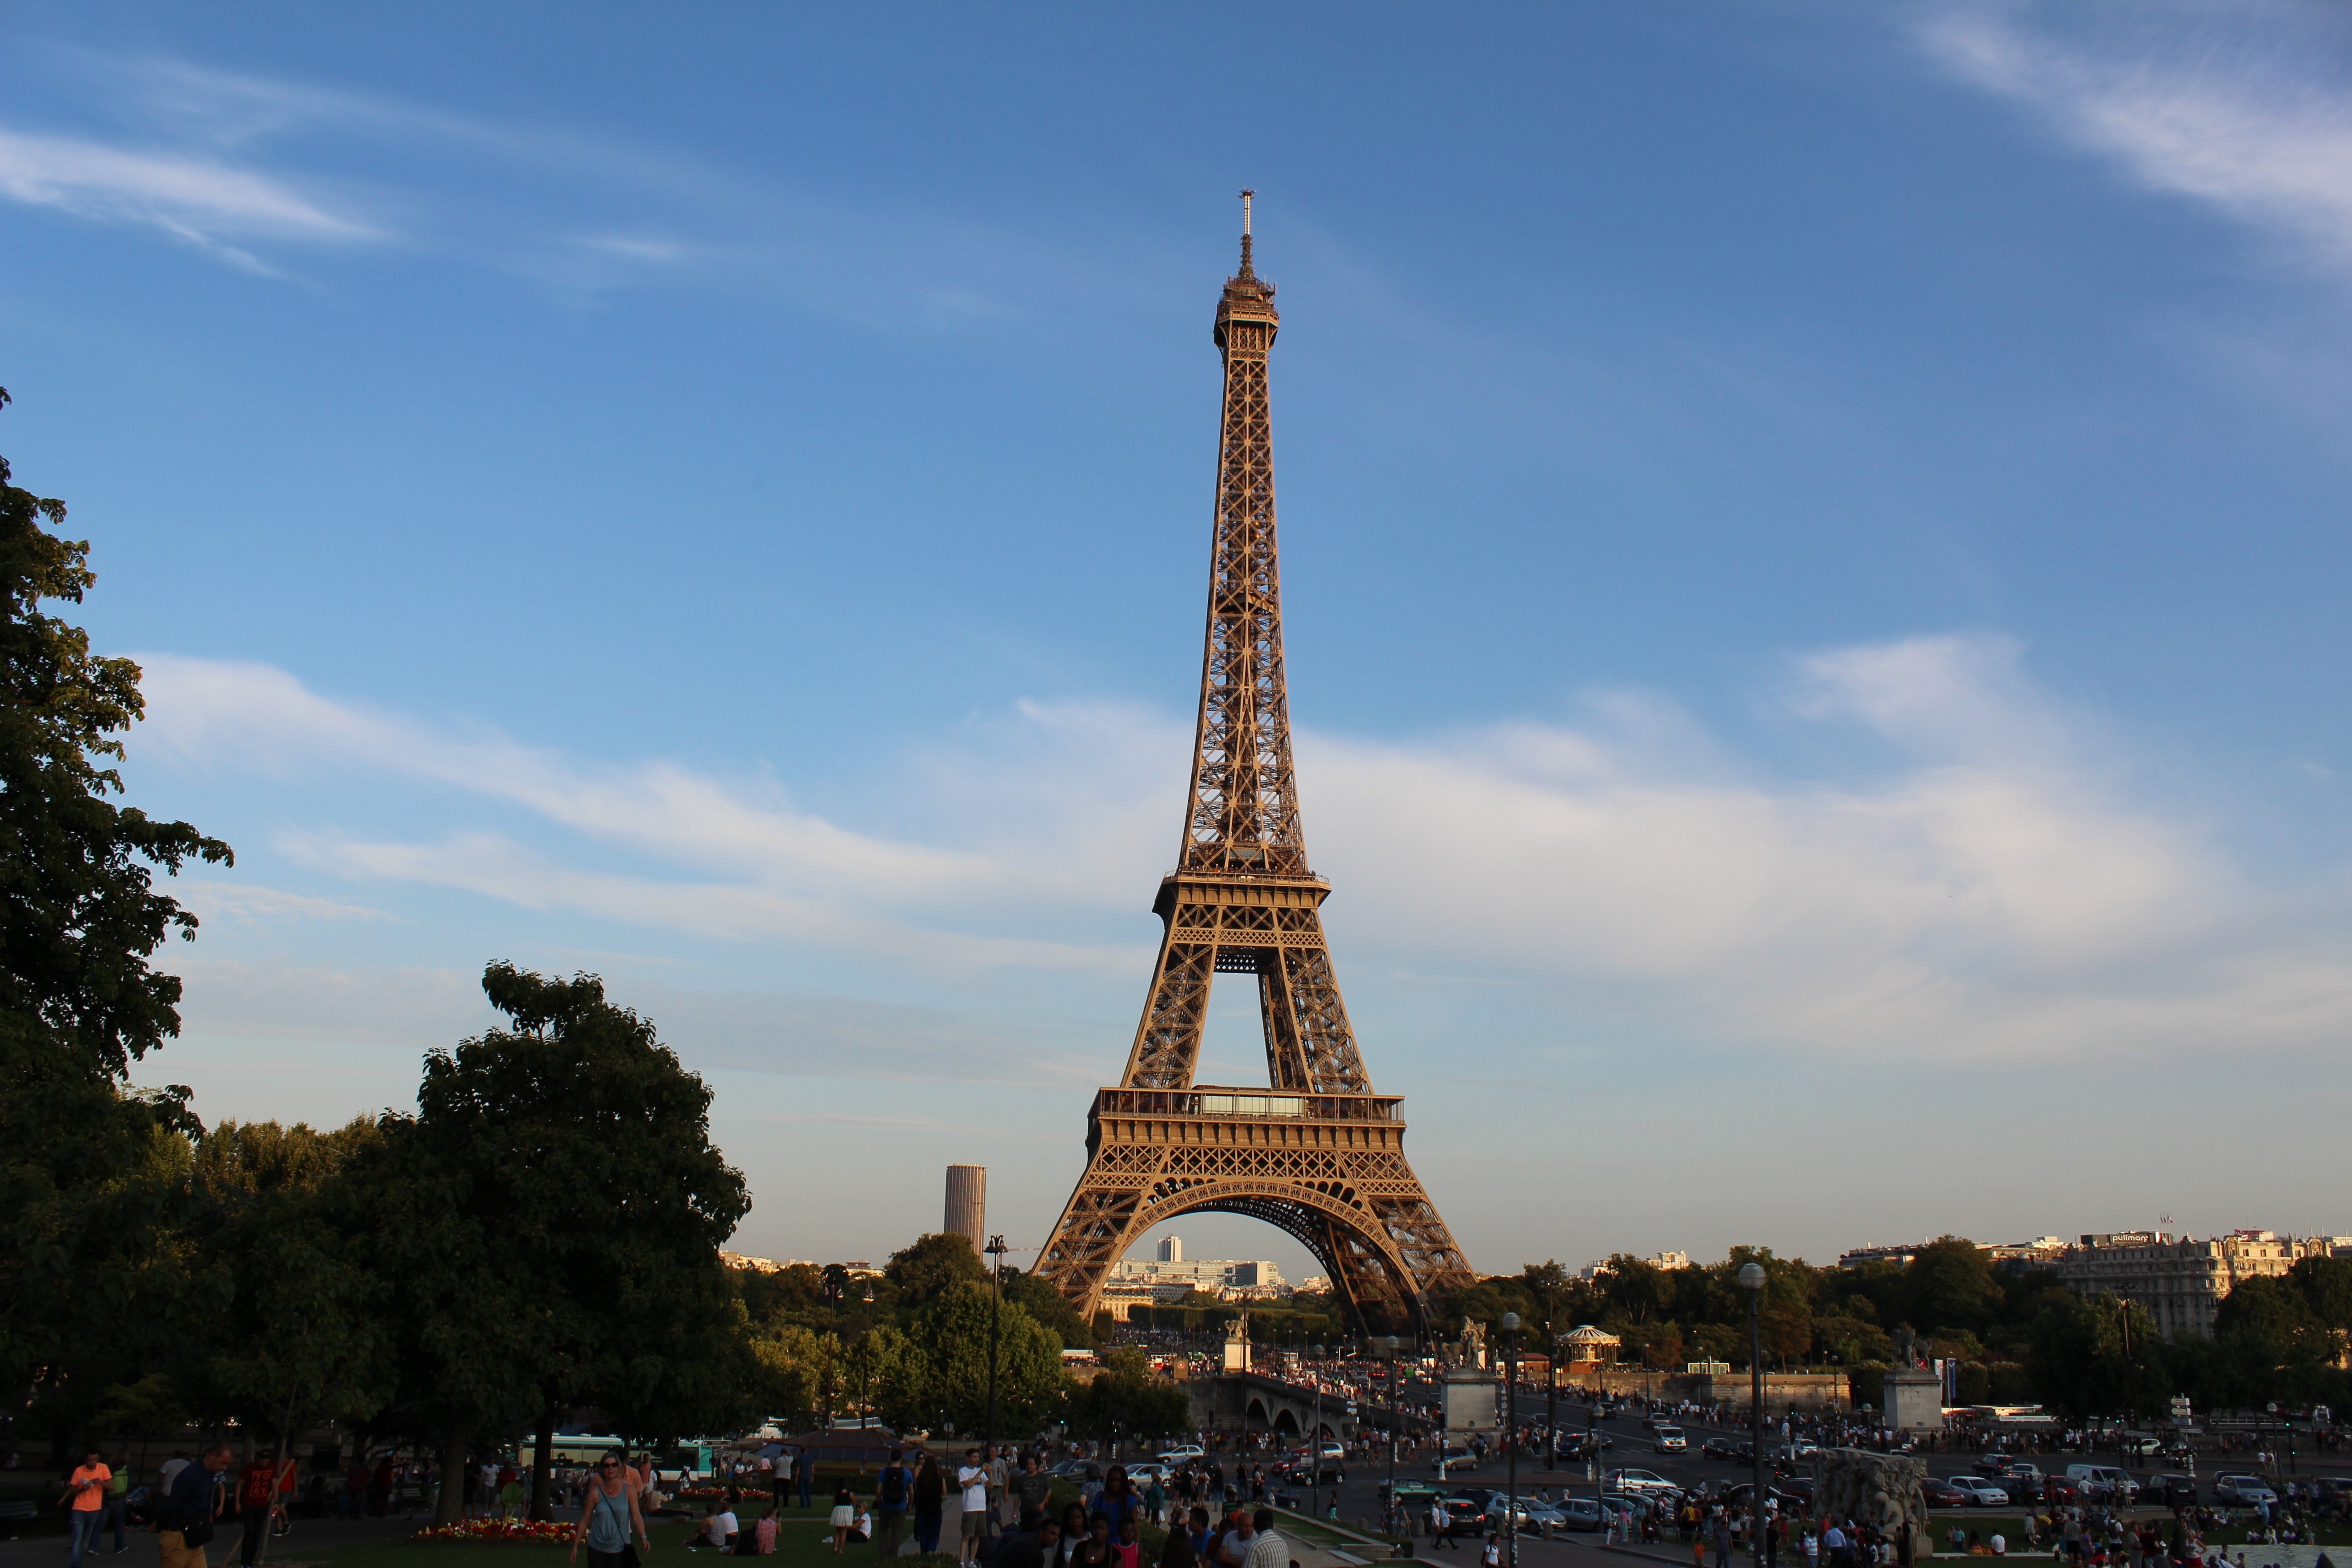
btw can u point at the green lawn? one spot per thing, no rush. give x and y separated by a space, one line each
803 1540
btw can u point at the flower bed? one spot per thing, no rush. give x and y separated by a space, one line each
535 1530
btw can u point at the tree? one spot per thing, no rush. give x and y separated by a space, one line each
573 1151
1950 1283
305 1339
952 1336
88 1206
933 1263
1126 1398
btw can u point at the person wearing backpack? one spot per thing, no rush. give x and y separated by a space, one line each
893 1494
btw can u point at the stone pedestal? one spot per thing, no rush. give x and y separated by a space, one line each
1915 1399
1473 1402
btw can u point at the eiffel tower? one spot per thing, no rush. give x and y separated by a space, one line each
1316 1152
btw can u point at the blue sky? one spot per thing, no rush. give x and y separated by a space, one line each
1814 560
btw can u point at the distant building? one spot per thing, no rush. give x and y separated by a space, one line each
1168 1275
967 1208
1667 1260
763 1265
2182 1281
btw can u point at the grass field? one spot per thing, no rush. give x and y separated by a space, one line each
804 1539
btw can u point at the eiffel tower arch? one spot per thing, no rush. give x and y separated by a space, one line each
1316 1153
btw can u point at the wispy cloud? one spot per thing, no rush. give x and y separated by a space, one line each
197 198
2244 107
1991 891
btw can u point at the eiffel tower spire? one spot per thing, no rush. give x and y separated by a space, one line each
1242 901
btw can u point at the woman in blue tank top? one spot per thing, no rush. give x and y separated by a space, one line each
610 1516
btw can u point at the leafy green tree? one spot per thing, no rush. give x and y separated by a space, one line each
571 1153
1950 1283
952 1337
920 1272
2098 1355
1127 1399
89 1207
800 1371
304 1339
1049 1307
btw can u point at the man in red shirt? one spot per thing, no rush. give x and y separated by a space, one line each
256 1491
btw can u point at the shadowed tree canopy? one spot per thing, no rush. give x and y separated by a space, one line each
563 1169
90 1199
933 1263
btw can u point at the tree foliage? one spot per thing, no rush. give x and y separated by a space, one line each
91 1205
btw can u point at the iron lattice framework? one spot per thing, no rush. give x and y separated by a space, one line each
1316 1153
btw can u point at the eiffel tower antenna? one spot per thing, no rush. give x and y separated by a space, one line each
1316 1153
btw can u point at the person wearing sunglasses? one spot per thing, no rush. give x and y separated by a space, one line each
610 1515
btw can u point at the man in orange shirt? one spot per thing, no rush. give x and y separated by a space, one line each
85 1491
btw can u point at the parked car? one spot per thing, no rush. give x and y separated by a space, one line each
1177 1458
2170 1492
1799 1489
1646 1483
1537 1515
1580 1514
2242 1490
1451 1458
1719 1448
1147 1471
1668 1440
2140 1445
1938 1492
1992 1464
1981 1492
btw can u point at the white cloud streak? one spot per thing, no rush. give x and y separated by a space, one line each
1990 895
2257 123
198 198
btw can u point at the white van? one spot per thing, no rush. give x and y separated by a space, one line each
2103 1483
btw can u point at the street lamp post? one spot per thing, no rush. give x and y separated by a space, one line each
1751 1279
1551 1397
996 1249
1511 1434
1315 1449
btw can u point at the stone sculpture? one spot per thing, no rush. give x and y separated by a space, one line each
1881 1491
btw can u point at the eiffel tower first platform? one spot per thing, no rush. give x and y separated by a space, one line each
1316 1152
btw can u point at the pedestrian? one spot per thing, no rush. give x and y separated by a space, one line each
85 1495
257 1490
894 1494
972 1480
845 1516
931 1502
763 1534
1127 1550
1267 1549
804 1472
1491 1555
610 1512
184 1522
118 1501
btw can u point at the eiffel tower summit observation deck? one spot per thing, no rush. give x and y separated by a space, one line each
1314 1151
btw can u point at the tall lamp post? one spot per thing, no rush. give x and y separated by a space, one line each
996 1249
1511 1434
1751 1279
1551 1397
1315 1449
